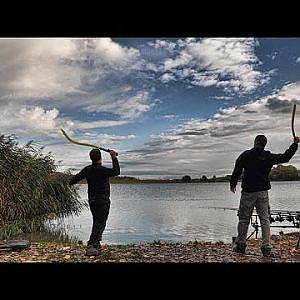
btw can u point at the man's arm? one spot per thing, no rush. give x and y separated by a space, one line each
76 178
115 171
238 168
287 155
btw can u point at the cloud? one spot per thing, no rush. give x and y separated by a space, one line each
40 79
37 67
228 63
112 53
168 117
167 77
127 108
163 44
222 97
36 121
28 120
210 146
290 91
298 60
42 69
108 139
198 146
279 106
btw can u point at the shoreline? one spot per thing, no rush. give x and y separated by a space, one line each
284 247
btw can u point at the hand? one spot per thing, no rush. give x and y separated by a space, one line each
296 139
113 153
233 189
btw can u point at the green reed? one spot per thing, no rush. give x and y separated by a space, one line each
31 190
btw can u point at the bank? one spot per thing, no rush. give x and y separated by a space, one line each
284 246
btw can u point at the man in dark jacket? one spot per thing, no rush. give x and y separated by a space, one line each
256 164
97 178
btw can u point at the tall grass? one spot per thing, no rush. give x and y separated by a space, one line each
31 190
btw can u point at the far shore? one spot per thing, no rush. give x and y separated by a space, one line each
125 180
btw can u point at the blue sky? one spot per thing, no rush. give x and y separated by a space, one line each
169 106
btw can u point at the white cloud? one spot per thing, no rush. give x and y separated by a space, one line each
96 124
37 67
29 121
228 63
43 68
170 46
167 77
222 97
181 60
68 73
106 139
127 108
290 91
210 147
170 116
110 52
197 147
298 60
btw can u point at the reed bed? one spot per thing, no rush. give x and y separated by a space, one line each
31 189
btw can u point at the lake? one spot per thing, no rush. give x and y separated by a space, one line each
174 212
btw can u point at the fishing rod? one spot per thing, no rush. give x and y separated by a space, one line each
273 211
84 144
276 215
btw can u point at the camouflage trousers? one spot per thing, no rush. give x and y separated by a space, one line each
259 200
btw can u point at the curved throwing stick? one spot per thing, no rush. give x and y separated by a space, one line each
293 120
82 144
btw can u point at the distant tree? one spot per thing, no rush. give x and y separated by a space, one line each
214 178
186 178
284 173
204 178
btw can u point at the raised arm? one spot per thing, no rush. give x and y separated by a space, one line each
115 171
287 155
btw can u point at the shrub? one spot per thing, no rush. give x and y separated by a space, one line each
31 189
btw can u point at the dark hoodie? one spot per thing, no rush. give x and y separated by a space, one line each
257 164
97 178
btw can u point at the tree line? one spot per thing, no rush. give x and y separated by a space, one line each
278 173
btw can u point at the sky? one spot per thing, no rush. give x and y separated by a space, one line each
169 106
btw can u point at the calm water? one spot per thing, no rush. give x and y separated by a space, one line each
172 212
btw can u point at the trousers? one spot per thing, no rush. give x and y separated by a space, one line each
100 209
259 200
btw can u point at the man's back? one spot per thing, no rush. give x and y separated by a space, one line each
257 164
97 178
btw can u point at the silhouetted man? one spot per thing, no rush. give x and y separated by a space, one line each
256 164
97 178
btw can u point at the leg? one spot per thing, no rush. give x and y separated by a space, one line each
263 211
100 211
245 211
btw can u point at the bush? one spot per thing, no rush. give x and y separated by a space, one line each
30 188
